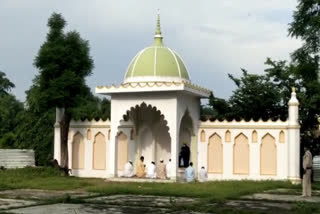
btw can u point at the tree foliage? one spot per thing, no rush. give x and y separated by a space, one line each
64 63
5 84
306 24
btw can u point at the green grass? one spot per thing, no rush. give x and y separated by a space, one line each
208 193
50 179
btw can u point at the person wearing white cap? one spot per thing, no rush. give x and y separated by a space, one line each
161 170
151 170
128 170
203 175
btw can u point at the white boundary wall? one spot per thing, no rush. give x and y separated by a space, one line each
173 106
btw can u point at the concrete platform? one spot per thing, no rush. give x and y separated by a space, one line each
282 198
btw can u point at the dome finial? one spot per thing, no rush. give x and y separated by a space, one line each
158 36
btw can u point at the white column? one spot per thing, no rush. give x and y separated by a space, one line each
293 139
174 134
112 150
57 135
57 143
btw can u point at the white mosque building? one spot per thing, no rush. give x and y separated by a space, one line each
157 108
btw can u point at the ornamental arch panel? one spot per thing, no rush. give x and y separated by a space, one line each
78 151
228 136
202 136
215 154
99 152
122 146
268 155
254 136
281 136
89 134
241 155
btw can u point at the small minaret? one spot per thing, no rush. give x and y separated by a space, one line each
293 108
293 142
158 36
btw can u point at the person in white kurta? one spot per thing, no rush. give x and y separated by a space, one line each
151 170
169 169
203 175
128 170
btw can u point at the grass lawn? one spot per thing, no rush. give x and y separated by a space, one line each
50 179
209 192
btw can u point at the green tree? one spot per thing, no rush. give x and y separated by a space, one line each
5 84
256 97
64 63
306 24
10 112
217 108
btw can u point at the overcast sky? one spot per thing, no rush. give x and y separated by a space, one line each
213 37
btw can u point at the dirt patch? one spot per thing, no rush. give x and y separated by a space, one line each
143 200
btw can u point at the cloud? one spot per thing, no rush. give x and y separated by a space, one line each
213 37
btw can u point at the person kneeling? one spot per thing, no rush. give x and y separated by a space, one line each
128 170
151 170
203 175
141 168
161 170
189 173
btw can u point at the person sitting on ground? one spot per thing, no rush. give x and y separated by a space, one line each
189 173
169 169
128 170
161 170
203 175
151 170
141 168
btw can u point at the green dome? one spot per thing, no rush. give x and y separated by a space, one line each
157 63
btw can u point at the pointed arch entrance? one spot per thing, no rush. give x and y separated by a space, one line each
152 139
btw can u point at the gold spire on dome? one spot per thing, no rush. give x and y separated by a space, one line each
158 36
293 89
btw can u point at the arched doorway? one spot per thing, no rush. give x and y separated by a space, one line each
152 139
185 135
78 151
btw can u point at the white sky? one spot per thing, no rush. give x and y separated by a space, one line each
213 37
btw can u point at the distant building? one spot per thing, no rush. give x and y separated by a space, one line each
157 109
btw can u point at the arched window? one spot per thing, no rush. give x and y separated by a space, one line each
203 136
132 134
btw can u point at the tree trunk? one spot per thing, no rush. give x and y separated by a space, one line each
64 131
